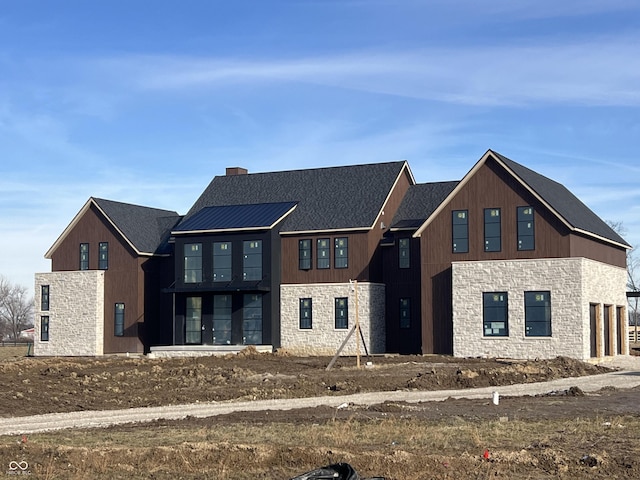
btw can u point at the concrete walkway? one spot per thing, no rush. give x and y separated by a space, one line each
627 377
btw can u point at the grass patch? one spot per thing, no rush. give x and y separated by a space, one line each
10 352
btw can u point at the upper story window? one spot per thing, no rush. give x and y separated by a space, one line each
103 255
323 253
84 256
44 297
460 231
404 254
405 313
495 314
537 314
118 320
192 263
492 230
526 231
222 261
341 252
304 254
305 314
342 313
252 260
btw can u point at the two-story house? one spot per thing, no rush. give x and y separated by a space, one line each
504 262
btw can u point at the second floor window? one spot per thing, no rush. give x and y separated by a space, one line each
404 259
44 297
304 254
222 261
460 231
341 255
193 263
526 231
323 253
252 260
103 259
492 230
84 256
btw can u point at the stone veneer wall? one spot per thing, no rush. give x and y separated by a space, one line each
76 313
323 338
574 283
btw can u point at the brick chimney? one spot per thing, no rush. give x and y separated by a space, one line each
236 171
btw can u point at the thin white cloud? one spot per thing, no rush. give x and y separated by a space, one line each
596 72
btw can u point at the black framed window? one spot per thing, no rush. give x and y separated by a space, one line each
404 253
252 319
103 255
252 260
192 263
222 319
304 254
341 252
193 320
342 313
118 320
492 230
495 314
44 328
460 231
44 297
222 261
306 322
405 313
537 314
324 247
84 256
526 230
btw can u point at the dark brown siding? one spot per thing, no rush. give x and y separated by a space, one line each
365 258
490 187
124 280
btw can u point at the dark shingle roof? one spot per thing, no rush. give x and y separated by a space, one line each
331 198
565 203
419 203
146 228
235 217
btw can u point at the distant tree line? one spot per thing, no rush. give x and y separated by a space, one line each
633 275
16 310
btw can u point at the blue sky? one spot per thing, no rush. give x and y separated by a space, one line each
144 102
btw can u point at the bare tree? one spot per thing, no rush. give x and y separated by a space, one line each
16 309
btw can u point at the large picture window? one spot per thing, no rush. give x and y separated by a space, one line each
495 314
304 254
492 230
404 253
84 256
341 255
537 314
193 323
222 261
193 263
306 322
118 320
342 313
526 230
460 231
103 255
252 260
322 251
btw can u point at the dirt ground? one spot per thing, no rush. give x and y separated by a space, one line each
567 434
